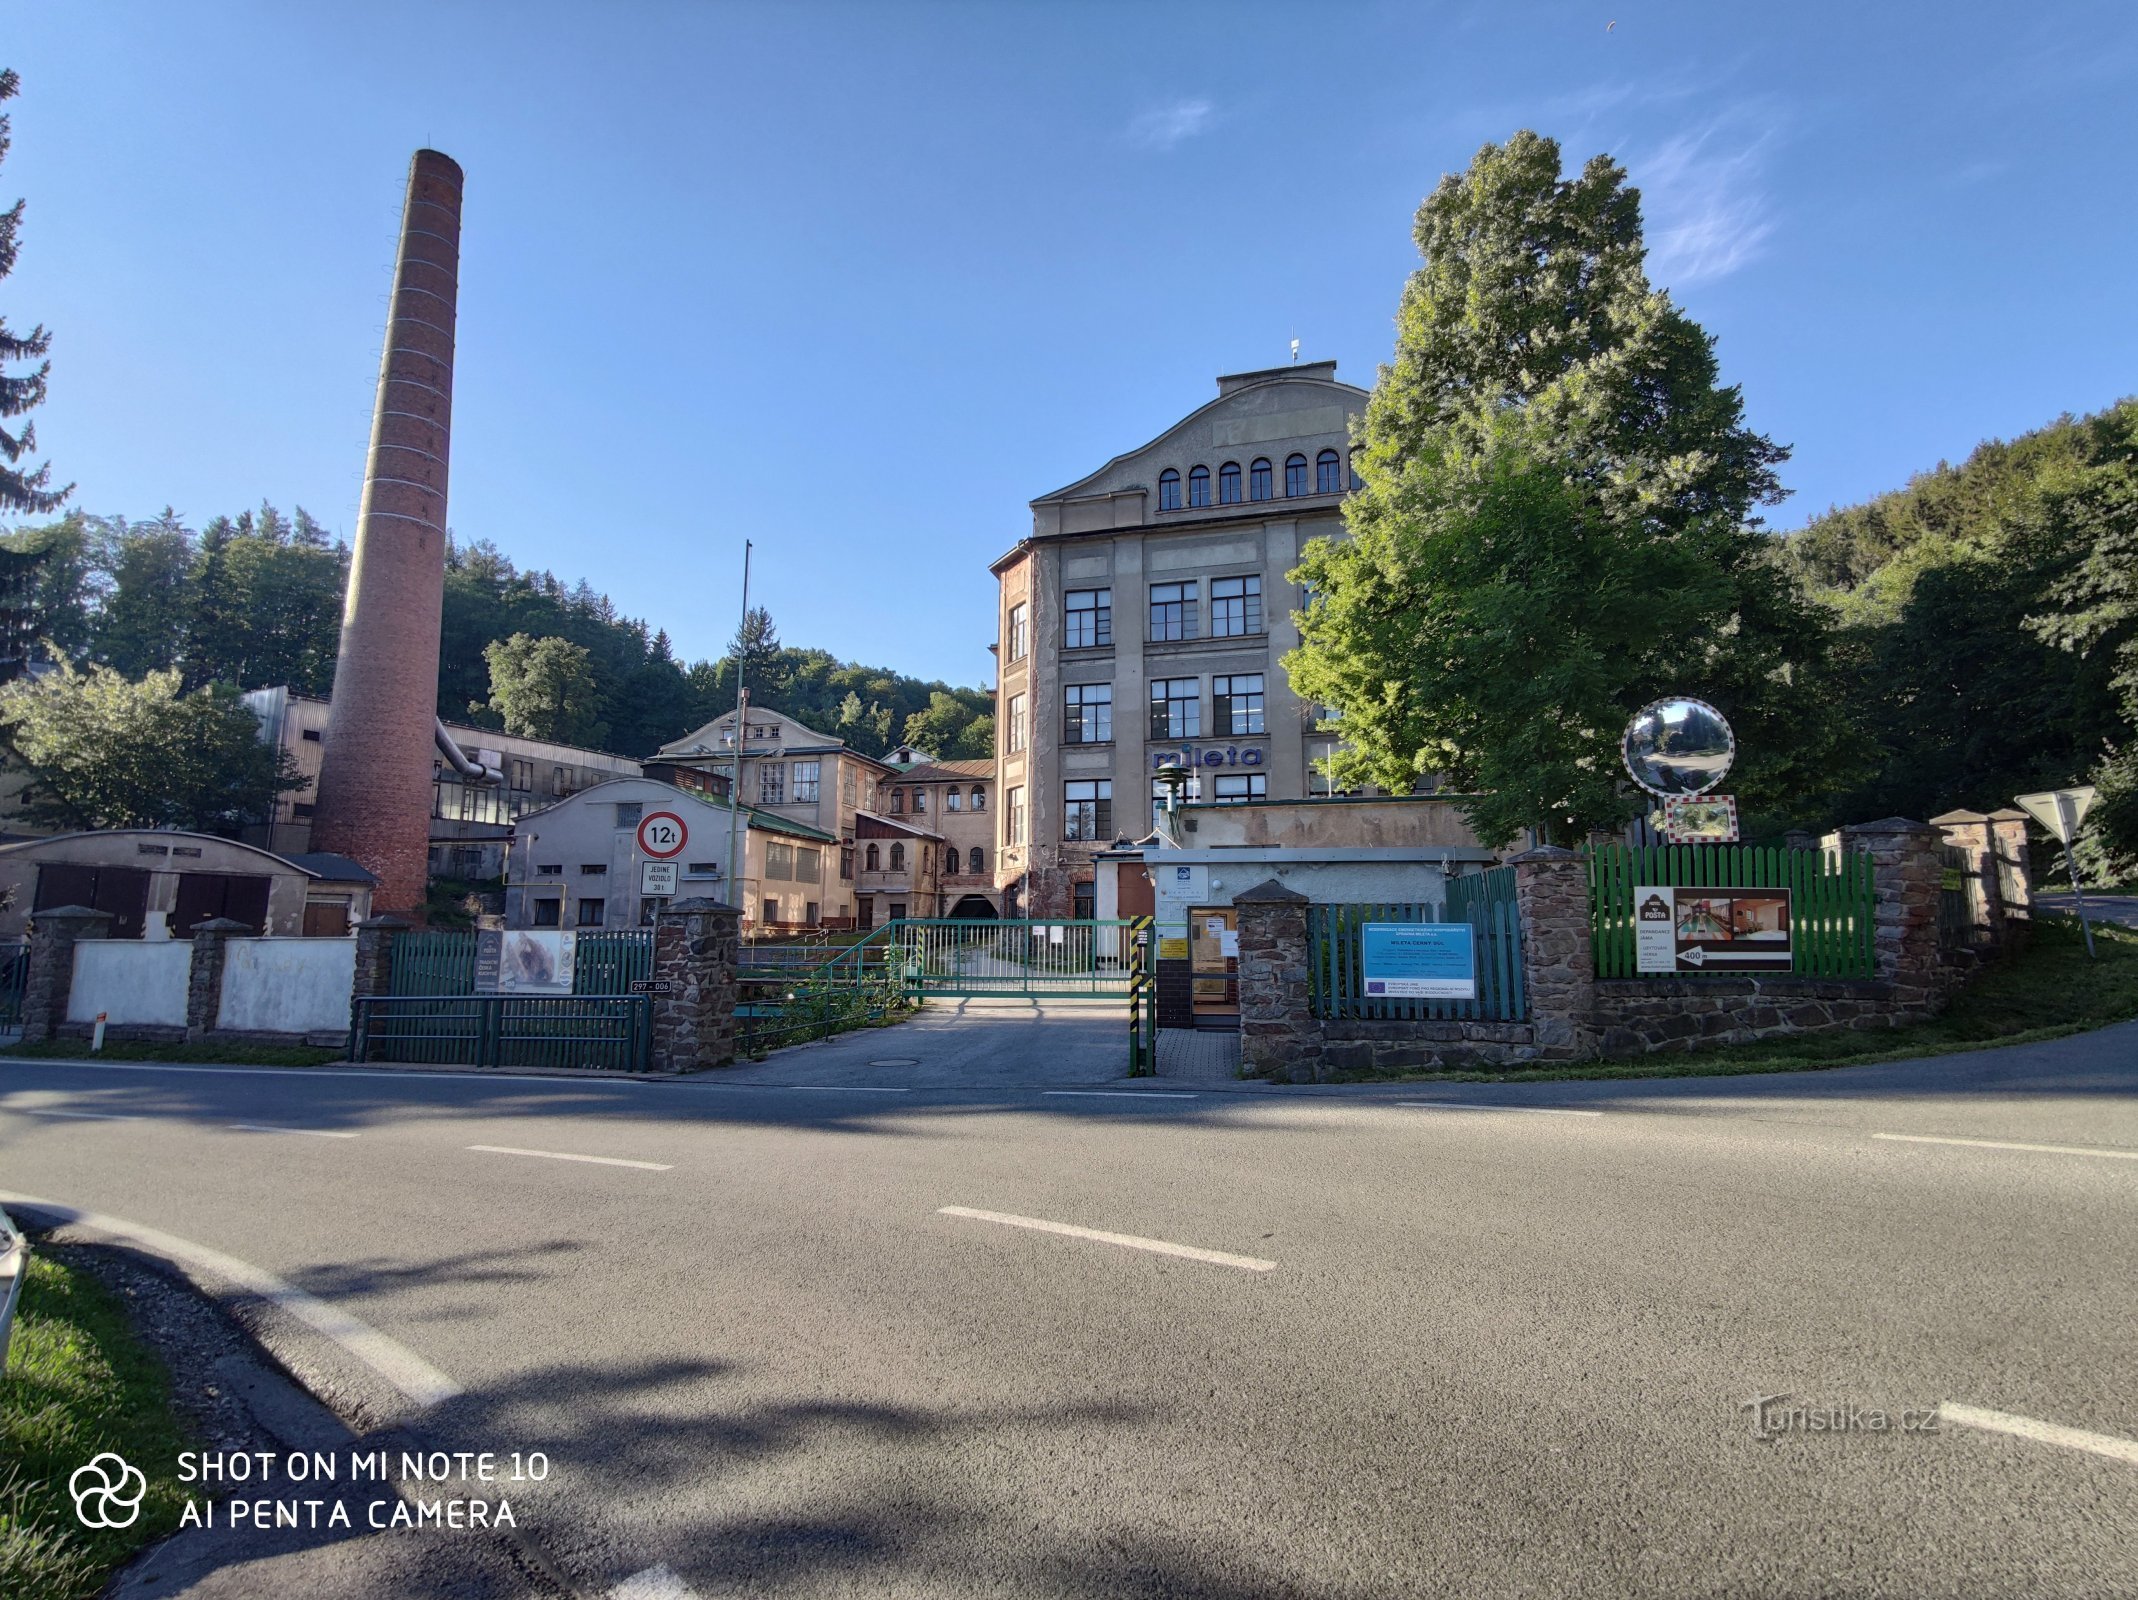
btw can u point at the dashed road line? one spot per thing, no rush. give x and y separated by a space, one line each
395 1362
655 1583
1127 1241
1535 1111
2100 1444
2011 1144
566 1155
317 1133
100 1116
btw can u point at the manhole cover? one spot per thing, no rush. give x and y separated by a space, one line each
897 1061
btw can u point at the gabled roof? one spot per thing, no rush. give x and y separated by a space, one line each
752 817
894 824
328 867
800 739
945 771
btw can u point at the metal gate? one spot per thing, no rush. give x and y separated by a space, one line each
1040 956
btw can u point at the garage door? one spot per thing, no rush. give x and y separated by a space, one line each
122 891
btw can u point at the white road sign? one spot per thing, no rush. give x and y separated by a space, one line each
2060 810
657 877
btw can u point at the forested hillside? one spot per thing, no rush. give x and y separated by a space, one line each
1989 624
255 599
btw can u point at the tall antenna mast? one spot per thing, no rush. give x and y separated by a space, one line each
742 717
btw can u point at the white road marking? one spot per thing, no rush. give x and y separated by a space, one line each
1122 1094
2008 1144
818 1088
566 1155
395 1362
1538 1111
1127 1240
655 1583
405 1076
317 1133
2100 1444
101 1116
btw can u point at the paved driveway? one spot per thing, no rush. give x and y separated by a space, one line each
2121 908
989 1043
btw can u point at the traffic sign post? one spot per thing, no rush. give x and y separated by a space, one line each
2061 811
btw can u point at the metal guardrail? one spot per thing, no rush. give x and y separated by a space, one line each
15 1262
612 1032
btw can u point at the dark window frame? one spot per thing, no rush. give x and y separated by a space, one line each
1295 476
1087 713
1328 473
1199 488
1169 489
1176 716
1234 707
1093 811
1177 615
1259 480
1228 484
1248 600
1087 627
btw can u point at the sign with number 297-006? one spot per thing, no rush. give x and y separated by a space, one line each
1678 928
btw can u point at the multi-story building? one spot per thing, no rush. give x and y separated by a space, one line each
471 823
952 800
1142 623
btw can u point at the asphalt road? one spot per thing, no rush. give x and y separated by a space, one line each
1470 1352
2121 908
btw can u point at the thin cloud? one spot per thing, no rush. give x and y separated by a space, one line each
1166 126
1706 211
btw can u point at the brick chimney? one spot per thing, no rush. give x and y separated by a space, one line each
374 796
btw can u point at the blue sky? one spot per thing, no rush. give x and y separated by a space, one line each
857 282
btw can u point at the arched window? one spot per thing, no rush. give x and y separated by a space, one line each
1352 462
1199 487
1295 475
898 858
874 860
1169 490
979 798
1228 484
979 861
950 862
1328 473
1258 480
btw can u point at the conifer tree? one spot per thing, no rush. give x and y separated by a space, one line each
23 487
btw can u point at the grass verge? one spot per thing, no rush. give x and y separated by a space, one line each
78 1382
2050 991
229 1055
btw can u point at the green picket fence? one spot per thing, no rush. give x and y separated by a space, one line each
1335 948
1830 898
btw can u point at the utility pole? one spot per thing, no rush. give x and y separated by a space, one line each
742 716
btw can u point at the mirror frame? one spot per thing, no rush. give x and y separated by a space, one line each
1625 746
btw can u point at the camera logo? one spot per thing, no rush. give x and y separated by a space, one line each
107 1493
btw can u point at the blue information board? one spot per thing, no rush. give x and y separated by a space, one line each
1420 960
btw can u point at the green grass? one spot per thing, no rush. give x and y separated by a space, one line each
78 1383
229 1055
2050 991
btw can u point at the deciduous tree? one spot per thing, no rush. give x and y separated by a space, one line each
545 689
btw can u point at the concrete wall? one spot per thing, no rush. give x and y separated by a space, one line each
134 982
1392 821
286 985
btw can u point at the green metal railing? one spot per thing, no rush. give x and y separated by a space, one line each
1335 948
442 961
612 1032
1831 899
968 957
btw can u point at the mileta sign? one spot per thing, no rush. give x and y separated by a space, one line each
1189 755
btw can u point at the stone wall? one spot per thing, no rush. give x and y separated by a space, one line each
1574 1015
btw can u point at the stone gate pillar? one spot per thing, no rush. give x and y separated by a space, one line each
1551 893
204 984
1906 875
1279 1037
50 979
694 957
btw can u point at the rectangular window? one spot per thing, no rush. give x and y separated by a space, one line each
771 910
1084 900
628 814
807 775
1014 731
1090 619
702 869
1176 708
1015 833
1087 713
920 801
979 798
846 863
560 782
809 913
592 913
1236 705
952 800
523 775
772 784
551 871
311 736
1232 788
548 913
808 866
779 861
848 793
1235 606
1088 809
1019 640
898 802
1173 611
595 869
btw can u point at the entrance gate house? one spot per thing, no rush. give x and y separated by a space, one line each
434 1016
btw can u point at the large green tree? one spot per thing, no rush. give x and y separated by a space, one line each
23 487
1556 523
545 689
104 752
